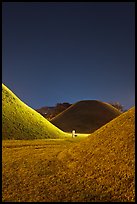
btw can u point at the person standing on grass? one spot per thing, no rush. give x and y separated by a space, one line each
73 133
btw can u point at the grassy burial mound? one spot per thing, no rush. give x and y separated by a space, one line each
85 116
102 167
97 168
19 121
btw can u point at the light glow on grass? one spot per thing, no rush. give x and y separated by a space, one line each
97 168
19 121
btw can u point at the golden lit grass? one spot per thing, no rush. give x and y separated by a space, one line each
101 167
19 121
85 116
28 164
97 168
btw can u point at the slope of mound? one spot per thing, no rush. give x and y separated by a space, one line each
19 121
85 116
101 168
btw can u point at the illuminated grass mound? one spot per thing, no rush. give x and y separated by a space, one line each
102 167
19 121
85 116
99 168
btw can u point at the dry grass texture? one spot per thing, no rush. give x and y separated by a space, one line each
19 121
97 168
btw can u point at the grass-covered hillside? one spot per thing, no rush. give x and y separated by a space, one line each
102 167
85 116
97 168
19 121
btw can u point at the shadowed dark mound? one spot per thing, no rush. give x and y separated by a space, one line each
85 116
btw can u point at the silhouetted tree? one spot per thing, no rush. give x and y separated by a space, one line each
50 112
60 107
118 106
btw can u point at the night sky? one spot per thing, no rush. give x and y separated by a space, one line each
67 52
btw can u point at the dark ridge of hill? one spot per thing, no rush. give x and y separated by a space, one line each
50 112
19 121
45 111
100 168
85 116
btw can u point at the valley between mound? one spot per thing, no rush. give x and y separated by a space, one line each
98 168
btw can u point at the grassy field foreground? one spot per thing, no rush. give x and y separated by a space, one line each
98 168
26 164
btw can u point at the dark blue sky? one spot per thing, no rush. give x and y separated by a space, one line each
67 52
